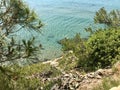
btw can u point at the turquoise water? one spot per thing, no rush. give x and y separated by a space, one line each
64 18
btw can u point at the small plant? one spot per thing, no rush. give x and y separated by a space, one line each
68 62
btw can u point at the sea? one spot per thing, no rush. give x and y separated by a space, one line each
63 19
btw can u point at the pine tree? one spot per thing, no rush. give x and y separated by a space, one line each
15 13
111 19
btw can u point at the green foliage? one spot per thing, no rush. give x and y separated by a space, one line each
33 84
24 78
99 51
75 44
5 82
14 16
68 62
29 47
7 78
78 46
111 19
105 46
17 13
37 68
51 84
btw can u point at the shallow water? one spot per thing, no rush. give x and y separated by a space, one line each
64 18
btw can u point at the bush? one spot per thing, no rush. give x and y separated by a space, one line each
99 51
78 46
26 77
5 82
73 44
104 47
68 62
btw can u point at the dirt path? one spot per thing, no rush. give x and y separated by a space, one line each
55 64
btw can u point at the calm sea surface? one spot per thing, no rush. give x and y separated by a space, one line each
64 18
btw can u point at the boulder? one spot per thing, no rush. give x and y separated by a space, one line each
115 88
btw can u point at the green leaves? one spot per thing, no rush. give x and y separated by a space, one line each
29 47
14 16
101 17
104 47
17 13
111 19
79 48
75 44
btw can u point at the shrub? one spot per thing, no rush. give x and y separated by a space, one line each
78 46
68 62
5 82
24 78
73 44
105 46
99 51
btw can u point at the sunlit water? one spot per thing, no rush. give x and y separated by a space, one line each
64 18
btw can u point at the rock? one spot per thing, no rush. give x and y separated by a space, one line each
77 85
117 66
85 77
104 72
77 81
90 75
115 88
99 72
55 87
66 75
41 88
70 52
98 77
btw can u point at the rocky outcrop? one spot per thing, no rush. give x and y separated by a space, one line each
76 81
